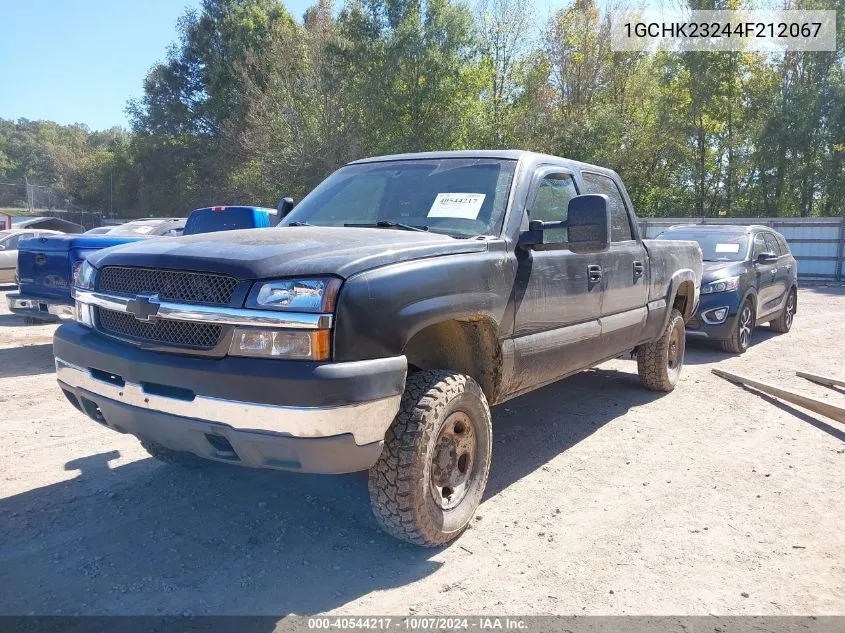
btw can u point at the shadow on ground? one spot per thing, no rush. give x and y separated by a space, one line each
28 360
16 320
703 352
801 415
146 538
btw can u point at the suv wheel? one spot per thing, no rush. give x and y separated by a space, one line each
433 469
784 322
740 338
659 362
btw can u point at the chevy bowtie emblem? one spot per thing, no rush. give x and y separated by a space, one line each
143 307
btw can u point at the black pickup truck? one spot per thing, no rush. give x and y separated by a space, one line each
377 324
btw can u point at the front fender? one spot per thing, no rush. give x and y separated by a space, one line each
380 310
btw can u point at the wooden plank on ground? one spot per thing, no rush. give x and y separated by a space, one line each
822 380
817 406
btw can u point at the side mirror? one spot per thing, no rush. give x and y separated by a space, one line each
2 247
285 207
588 224
767 258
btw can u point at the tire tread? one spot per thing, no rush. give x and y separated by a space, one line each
651 359
391 480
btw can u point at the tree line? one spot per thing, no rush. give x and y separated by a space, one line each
251 104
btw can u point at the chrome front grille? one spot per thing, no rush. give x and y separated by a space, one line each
170 285
190 334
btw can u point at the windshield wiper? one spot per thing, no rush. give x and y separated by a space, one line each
387 224
299 224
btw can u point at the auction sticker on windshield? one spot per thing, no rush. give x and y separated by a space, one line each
727 248
457 205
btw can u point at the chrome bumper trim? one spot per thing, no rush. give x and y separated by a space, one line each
61 310
209 314
366 421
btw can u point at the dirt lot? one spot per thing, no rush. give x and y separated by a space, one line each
603 499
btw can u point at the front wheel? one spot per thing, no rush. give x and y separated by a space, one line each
659 362
431 474
740 338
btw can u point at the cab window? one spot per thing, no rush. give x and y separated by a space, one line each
552 204
620 225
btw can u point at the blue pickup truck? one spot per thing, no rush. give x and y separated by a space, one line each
47 266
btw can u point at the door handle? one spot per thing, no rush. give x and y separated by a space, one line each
639 269
594 273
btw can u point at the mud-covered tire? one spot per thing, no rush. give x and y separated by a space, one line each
784 321
429 425
175 458
743 330
659 363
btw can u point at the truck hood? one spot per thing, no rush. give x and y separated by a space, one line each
287 251
65 243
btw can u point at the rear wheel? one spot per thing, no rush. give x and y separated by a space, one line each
659 363
176 458
433 469
740 338
784 322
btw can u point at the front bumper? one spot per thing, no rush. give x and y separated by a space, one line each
290 415
702 325
52 310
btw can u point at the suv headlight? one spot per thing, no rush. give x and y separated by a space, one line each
720 285
295 295
83 276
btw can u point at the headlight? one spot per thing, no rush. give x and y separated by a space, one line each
83 276
720 285
295 295
286 344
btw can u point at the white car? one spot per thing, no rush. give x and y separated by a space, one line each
9 250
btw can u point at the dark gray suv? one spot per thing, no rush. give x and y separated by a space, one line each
750 278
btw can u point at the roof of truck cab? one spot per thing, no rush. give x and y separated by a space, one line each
501 154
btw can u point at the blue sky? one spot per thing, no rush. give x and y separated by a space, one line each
80 61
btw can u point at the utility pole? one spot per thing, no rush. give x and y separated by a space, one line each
28 195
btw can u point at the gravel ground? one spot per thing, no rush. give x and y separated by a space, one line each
603 498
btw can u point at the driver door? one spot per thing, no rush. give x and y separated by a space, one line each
557 304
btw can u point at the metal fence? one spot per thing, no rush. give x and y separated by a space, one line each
817 243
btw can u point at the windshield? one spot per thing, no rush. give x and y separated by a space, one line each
139 228
461 197
716 246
